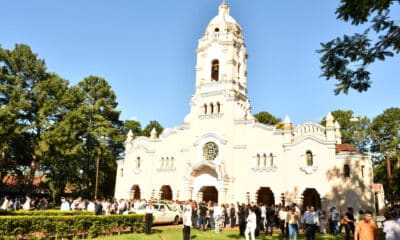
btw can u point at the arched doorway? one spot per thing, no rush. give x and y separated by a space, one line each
166 192
265 196
311 198
210 193
135 192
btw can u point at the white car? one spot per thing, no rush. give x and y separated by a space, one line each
163 213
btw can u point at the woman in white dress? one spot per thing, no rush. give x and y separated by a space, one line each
251 223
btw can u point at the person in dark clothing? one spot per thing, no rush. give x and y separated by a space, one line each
98 208
195 217
232 215
202 216
149 217
270 220
257 211
242 219
349 227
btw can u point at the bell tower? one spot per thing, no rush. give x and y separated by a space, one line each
221 70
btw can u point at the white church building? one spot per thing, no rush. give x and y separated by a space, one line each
221 153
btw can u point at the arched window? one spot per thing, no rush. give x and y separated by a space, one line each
138 162
167 162
162 162
218 107
362 170
172 162
258 160
215 70
346 170
309 158
211 108
205 108
271 159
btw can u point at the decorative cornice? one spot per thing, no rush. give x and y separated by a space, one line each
211 116
170 169
264 169
210 135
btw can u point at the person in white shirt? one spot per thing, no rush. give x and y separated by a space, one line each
282 218
6 203
311 221
91 207
391 227
27 204
187 220
121 206
263 217
217 217
251 223
75 204
64 205
335 221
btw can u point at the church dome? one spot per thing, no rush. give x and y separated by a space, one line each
223 22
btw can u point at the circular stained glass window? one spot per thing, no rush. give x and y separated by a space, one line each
210 151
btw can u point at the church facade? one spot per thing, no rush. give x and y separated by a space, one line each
221 153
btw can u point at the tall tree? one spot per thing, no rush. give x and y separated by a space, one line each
35 93
10 107
101 135
346 59
385 130
267 118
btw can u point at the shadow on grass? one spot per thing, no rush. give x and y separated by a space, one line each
235 236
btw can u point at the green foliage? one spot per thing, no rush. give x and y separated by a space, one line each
267 118
354 130
149 127
68 226
57 129
385 130
134 126
346 59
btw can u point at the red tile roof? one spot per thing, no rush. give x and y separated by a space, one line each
345 147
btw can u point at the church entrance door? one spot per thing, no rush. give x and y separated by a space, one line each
210 193
135 192
265 196
311 198
166 192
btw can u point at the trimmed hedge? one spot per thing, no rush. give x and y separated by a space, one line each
75 226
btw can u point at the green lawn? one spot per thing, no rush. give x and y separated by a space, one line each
175 233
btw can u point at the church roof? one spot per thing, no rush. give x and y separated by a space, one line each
223 21
345 147
223 15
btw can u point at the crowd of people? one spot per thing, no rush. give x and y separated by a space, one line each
250 219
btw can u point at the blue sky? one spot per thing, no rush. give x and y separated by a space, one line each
146 52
